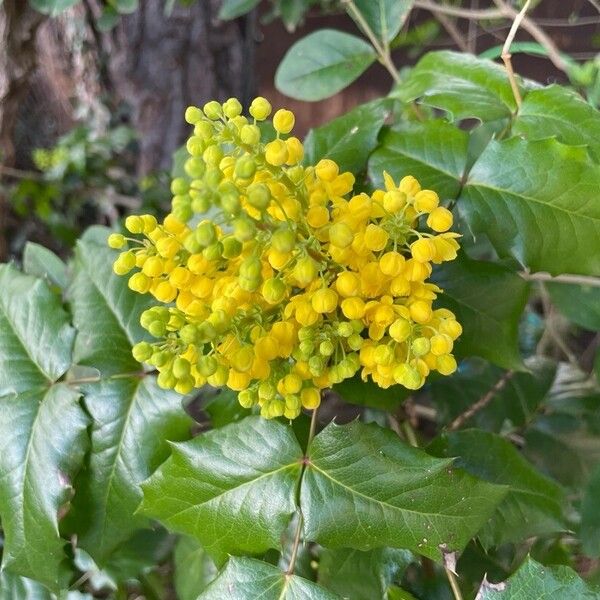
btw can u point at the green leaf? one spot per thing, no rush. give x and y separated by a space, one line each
35 335
292 12
461 84
223 407
514 405
102 302
13 587
534 581
361 575
363 488
132 421
368 393
232 488
560 112
52 7
488 299
349 139
322 64
231 9
384 17
194 569
533 505
543 216
245 578
590 517
579 303
43 440
435 152
43 263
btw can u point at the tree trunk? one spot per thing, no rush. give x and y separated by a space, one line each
160 64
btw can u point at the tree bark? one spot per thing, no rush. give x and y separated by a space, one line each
159 64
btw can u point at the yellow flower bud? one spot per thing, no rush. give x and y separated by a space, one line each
376 238
317 216
260 108
324 301
440 219
310 397
420 346
451 328
409 185
290 384
139 283
295 150
408 376
232 108
116 240
347 284
391 263
134 224
341 235
353 308
394 200
422 250
446 364
283 121
276 153
441 344
250 134
165 292
400 330
326 170
420 312
426 201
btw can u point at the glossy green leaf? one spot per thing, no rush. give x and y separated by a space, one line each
533 505
35 335
579 303
488 300
231 9
349 139
514 405
435 152
534 581
368 393
223 407
194 569
231 488
322 64
244 578
556 111
590 517
384 17
461 84
102 303
13 587
363 488
361 575
43 440
52 7
43 263
132 421
536 201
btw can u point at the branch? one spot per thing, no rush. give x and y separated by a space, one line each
566 278
535 32
506 55
482 402
462 13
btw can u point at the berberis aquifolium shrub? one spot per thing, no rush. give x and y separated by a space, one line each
287 268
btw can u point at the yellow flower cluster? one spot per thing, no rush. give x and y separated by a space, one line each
277 281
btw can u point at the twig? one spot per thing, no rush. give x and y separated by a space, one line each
595 4
409 432
453 584
555 335
20 173
472 30
463 13
535 32
298 534
482 402
506 55
383 51
563 278
452 31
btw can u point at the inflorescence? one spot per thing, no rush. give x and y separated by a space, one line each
275 280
